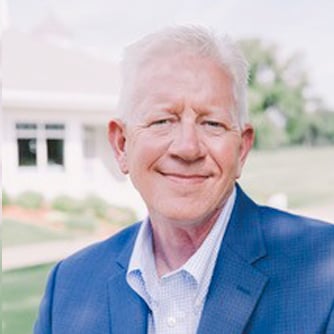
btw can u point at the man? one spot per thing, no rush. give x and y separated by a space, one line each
207 259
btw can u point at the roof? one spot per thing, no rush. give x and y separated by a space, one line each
33 65
52 28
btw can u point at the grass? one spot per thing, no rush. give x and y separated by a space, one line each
21 294
305 175
15 233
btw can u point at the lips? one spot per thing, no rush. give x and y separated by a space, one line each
185 178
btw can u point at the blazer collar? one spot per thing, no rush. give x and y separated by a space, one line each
236 285
244 233
128 311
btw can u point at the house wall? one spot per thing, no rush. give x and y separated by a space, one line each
80 175
45 83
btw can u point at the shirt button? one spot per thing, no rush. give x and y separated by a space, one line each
171 321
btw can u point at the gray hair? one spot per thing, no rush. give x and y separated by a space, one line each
195 39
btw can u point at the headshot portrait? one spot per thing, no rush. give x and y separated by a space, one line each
207 259
167 167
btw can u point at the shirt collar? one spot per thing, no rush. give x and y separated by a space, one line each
200 265
142 258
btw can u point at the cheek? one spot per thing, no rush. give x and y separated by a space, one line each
226 156
143 152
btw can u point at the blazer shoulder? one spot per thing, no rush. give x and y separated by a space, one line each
287 219
290 229
103 252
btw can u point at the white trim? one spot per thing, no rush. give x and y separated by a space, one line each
54 101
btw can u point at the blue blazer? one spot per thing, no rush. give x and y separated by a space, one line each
274 275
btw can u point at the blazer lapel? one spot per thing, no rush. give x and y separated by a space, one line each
236 285
128 311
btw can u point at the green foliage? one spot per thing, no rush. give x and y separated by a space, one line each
321 123
5 199
97 205
84 214
84 221
120 216
30 200
267 135
67 204
278 103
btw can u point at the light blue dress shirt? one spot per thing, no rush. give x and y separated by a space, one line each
176 299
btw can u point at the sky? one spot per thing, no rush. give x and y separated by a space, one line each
104 27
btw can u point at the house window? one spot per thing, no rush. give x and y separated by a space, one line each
27 144
40 144
27 152
55 152
54 134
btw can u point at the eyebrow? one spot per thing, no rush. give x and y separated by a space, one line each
212 110
177 107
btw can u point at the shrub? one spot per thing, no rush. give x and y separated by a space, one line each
85 222
97 205
30 200
67 204
5 199
121 216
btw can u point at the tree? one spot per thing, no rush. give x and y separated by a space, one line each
278 102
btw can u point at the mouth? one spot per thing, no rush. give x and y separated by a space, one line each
185 178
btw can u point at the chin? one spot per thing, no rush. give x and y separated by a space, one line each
186 214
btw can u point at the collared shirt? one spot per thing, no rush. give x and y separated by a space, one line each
176 299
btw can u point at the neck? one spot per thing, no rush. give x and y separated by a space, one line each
174 244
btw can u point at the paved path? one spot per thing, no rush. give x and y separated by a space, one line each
40 253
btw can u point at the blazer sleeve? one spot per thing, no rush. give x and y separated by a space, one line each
43 324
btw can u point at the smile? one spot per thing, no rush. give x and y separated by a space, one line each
185 178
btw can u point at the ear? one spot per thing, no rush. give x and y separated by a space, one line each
117 139
247 140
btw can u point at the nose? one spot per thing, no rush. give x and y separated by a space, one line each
186 144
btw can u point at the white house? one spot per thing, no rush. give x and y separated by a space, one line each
56 103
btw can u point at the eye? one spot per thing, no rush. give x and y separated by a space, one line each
161 122
213 124
214 127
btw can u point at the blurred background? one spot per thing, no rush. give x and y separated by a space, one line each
60 82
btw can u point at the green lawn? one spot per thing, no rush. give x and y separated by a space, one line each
306 175
15 233
21 295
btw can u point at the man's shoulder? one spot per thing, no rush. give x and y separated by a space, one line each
291 230
102 253
291 221
283 227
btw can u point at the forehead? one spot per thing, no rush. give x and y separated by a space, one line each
182 76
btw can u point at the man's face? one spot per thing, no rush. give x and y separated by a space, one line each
182 145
